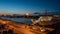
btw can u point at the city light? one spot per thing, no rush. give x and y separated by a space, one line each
27 14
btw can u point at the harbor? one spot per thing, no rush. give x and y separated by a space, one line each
23 28
29 16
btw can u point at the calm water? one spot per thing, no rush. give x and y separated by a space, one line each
23 20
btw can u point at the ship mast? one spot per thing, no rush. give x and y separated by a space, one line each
46 12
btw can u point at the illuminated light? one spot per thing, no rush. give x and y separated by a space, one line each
47 18
27 14
34 28
4 22
42 30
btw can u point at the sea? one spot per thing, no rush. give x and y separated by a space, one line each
21 20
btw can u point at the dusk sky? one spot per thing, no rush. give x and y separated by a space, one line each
31 6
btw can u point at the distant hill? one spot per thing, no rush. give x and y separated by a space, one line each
49 13
36 13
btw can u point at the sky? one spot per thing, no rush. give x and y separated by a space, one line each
30 6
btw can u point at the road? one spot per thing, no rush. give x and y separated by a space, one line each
23 28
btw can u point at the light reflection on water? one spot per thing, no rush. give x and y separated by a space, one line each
23 20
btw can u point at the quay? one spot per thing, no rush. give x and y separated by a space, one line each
20 28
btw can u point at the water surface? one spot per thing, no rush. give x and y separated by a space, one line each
23 20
